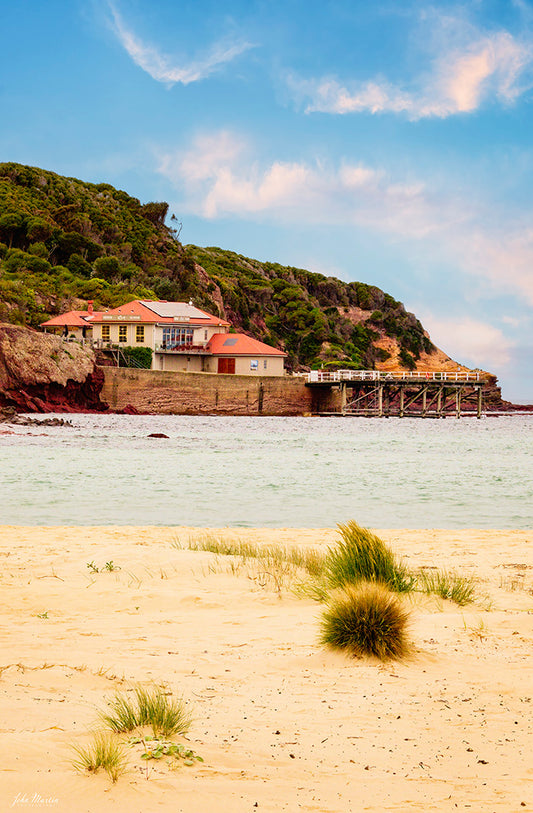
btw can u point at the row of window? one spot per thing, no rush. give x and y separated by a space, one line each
172 336
123 333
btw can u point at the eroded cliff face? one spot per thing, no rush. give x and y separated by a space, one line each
41 373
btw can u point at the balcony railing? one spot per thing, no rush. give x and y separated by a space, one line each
189 349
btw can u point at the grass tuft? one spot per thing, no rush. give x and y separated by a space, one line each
366 619
104 752
459 589
359 556
278 566
153 707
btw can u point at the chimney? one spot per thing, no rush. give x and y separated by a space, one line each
90 306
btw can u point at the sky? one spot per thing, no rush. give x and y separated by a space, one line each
386 142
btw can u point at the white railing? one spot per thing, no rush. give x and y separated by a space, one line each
331 376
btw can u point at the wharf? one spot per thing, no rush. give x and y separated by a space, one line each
420 394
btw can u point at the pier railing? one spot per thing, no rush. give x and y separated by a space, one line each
332 376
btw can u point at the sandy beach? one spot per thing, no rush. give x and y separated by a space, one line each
281 723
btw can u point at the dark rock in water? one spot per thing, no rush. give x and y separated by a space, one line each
41 373
157 435
23 420
129 410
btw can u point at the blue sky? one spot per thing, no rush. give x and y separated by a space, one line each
386 142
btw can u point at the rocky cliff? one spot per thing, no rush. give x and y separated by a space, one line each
42 373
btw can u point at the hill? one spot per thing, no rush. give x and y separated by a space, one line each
64 241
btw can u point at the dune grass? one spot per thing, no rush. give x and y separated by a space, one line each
307 559
105 752
366 619
166 715
360 555
450 586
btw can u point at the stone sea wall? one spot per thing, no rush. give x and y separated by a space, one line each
174 393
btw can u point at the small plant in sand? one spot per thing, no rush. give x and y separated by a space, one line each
104 752
155 748
153 707
478 631
366 619
109 567
451 586
360 555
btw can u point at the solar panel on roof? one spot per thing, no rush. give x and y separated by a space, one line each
230 342
175 309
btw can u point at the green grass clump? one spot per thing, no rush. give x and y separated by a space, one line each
459 589
308 559
360 555
147 707
104 752
366 619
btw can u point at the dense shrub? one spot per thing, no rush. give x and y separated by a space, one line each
138 356
366 619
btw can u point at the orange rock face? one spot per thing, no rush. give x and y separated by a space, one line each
41 373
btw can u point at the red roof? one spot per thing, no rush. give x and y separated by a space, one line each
239 344
160 313
72 319
146 311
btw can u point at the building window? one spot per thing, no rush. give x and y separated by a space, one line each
123 333
175 338
106 333
139 333
264 364
205 335
254 364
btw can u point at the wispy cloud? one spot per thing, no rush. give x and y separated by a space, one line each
461 76
162 67
219 177
470 341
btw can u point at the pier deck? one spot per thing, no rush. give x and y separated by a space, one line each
374 393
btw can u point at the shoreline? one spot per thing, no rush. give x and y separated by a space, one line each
281 723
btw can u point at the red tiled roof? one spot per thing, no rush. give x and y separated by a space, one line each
147 312
169 313
238 344
72 319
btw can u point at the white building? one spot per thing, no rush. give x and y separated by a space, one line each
181 337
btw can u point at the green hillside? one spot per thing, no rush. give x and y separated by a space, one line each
64 241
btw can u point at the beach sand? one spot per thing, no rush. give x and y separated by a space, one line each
282 724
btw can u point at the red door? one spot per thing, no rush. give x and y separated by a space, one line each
226 365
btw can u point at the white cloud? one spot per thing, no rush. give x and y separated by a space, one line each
470 341
460 79
162 68
219 177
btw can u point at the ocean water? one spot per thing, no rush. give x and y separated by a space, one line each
270 472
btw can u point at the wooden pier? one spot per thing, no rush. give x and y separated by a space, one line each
416 394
